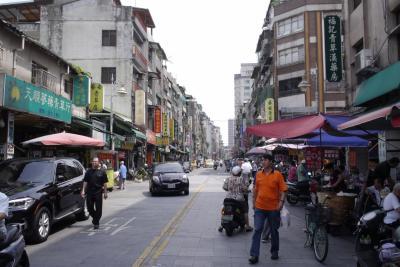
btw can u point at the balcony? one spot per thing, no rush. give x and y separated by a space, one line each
45 79
140 58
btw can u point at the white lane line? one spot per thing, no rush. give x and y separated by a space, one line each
123 227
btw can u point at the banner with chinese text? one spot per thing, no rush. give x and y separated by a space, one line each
157 120
81 86
269 110
96 98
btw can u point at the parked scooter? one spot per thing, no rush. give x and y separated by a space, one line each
232 216
304 191
375 244
12 249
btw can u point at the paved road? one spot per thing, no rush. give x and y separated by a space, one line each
140 230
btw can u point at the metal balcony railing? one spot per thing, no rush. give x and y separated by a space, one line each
45 79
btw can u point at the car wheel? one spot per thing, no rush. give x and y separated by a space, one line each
186 192
41 225
82 214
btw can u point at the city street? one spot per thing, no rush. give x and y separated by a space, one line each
140 230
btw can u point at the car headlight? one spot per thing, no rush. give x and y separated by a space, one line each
156 179
185 179
21 203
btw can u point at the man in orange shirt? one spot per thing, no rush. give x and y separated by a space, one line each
268 198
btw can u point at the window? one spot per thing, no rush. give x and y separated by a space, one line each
108 75
291 55
289 87
356 3
109 38
68 86
290 25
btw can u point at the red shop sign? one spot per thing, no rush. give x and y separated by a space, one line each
157 120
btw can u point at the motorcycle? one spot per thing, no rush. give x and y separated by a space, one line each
374 244
215 166
12 249
232 216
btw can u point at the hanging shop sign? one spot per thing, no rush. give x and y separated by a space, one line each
151 137
269 110
96 98
157 120
81 86
140 107
333 49
165 124
22 96
171 129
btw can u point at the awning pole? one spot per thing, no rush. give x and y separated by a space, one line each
320 147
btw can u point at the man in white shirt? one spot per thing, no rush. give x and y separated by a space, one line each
246 168
391 202
3 216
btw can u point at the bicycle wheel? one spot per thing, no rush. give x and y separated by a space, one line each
308 231
320 243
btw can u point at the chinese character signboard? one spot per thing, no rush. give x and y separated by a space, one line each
171 129
333 49
26 97
165 124
157 120
269 110
81 90
96 97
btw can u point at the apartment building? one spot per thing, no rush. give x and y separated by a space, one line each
231 133
243 85
300 31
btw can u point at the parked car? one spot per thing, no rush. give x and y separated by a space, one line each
41 192
169 177
209 163
187 167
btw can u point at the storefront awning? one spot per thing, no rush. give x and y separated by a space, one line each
288 128
327 140
382 119
139 135
378 85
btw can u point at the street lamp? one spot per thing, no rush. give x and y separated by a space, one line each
260 119
120 92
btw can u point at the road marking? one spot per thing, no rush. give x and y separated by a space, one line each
166 232
123 227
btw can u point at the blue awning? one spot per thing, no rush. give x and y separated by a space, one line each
328 140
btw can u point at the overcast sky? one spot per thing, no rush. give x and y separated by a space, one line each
205 42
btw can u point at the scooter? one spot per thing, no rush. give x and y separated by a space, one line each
232 216
215 166
12 249
374 244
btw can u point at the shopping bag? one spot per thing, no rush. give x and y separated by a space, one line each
285 217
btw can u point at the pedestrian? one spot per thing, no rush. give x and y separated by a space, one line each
383 171
292 174
122 175
3 216
268 199
246 169
94 188
254 169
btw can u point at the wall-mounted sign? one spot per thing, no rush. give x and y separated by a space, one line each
157 120
269 110
96 97
22 96
333 49
81 86
171 129
140 107
165 124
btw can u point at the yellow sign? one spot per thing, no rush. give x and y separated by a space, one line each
269 110
96 98
165 124
171 129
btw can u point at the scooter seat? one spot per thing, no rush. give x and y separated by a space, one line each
12 235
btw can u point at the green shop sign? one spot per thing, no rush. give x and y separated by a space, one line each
22 96
81 91
333 49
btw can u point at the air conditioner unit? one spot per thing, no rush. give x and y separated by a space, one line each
363 59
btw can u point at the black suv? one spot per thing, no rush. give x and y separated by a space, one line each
42 191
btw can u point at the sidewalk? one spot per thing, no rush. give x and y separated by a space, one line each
196 241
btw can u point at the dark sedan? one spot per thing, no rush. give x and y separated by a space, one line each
169 177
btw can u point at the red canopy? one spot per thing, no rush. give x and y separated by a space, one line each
288 128
64 139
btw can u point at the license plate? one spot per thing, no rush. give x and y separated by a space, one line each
170 186
227 217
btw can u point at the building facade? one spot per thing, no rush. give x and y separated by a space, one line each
243 85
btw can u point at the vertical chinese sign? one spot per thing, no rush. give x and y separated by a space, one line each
96 98
157 120
333 49
165 124
269 110
81 87
140 107
171 129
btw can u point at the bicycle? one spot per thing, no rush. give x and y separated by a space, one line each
317 217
